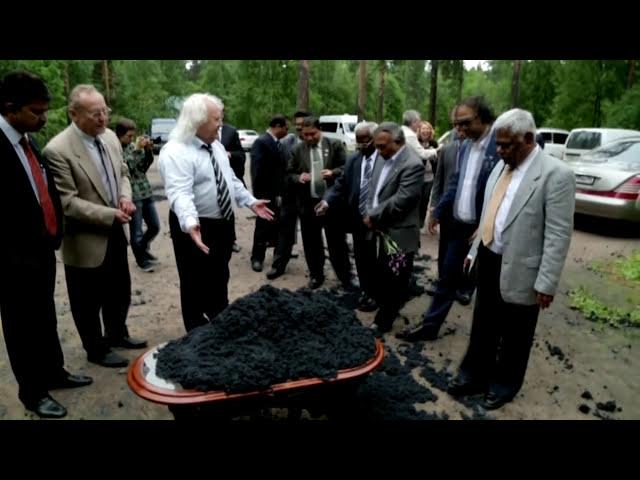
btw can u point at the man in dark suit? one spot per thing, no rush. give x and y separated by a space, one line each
351 191
392 208
447 167
268 171
312 169
460 206
33 217
230 140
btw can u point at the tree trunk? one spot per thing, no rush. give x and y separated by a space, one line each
515 83
362 89
631 78
106 80
597 104
303 86
433 92
383 66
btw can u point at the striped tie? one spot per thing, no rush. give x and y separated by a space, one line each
364 187
224 200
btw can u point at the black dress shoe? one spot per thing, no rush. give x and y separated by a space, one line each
463 298
235 247
127 342
493 401
110 360
70 380
416 334
315 283
350 285
431 288
463 384
256 265
367 304
47 407
274 273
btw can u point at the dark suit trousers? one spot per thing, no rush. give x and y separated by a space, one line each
106 288
311 226
286 235
204 278
390 288
29 324
265 233
364 253
451 276
501 333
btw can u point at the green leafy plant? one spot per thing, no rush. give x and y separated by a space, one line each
595 310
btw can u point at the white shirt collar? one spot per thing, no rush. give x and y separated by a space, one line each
12 134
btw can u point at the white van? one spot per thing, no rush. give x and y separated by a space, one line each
584 139
554 141
340 127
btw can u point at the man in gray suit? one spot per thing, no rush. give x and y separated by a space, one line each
392 208
520 249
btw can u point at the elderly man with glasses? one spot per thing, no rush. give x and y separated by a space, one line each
95 190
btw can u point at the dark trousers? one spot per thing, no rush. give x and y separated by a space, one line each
501 333
265 233
391 288
286 232
203 278
311 226
30 326
364 253
145 211
451 276
423 206
106 288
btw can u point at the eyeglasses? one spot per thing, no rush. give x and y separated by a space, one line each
95 114
505 145
365 144
464 123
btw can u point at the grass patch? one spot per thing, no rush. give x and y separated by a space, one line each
625 269
596 311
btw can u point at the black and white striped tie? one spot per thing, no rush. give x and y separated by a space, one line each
364 187
224 200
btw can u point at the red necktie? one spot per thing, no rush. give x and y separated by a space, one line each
48 211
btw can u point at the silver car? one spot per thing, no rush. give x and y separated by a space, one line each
608 180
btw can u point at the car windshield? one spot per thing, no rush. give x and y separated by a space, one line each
584 140
163 127
621 152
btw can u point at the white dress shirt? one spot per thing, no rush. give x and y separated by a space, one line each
497 246
190 182
465 207
14 138
386 169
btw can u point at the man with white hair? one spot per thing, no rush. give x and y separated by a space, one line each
202 190
520 249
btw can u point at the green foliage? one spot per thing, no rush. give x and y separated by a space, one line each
565 94
629 268
595 310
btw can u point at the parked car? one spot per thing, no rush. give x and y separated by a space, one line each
340 127
608 180
247 137
554 140
160 129
582 140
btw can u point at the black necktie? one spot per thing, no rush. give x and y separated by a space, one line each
224 200
106 172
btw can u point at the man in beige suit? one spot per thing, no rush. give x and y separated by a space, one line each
519 250
92 178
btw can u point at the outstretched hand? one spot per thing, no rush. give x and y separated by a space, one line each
196 236
260 208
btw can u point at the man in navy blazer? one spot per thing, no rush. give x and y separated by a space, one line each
350 191
33 216
460 207
268 175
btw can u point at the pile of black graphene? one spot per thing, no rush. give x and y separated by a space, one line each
268 337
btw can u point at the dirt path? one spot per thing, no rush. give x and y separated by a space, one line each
570 357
